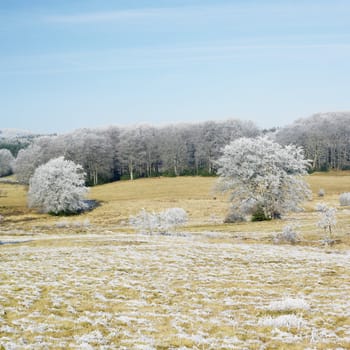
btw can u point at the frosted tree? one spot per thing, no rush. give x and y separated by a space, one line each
93 152
6 161
58 187
324 137
327 218
39 152
263 177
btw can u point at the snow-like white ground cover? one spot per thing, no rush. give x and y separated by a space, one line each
159 292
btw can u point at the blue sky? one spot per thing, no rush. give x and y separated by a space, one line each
86 63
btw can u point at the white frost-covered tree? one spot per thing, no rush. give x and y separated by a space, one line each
263 177
58 187
6 162
327 218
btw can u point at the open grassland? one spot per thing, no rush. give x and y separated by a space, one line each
150 292
89 282
206 208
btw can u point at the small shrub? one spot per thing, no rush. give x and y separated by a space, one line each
62 224
85 223
233 216
288 235
144 222
161 222
320 207
321 192
172 217
344 199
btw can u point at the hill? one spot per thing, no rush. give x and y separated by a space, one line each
206 208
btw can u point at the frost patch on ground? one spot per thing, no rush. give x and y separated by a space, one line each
288 304
283 321
125 291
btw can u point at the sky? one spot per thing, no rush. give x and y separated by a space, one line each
71 64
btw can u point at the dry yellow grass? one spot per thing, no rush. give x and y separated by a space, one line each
122 199
214 288
206 208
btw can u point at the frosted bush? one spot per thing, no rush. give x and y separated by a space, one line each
161 222
344 199
287 321
62 224
144 222
233 216
171 218
320 207
288 235
288 304
85 223
321 192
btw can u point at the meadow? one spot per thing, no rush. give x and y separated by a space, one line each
91 282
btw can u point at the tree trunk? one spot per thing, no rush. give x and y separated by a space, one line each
131 170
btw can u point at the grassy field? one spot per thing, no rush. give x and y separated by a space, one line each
91 282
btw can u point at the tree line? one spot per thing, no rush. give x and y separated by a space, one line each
116 153
325 138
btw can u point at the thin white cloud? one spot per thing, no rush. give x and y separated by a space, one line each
196 11
151 57
164 13
192 12
107 16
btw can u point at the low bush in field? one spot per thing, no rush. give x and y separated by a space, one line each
162 222
288 235
233 216
321 192
344 198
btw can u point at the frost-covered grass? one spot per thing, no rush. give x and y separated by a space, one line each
65 284
289 304
283 321
159 292
206 209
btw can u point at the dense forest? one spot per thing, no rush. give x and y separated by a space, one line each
116 153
